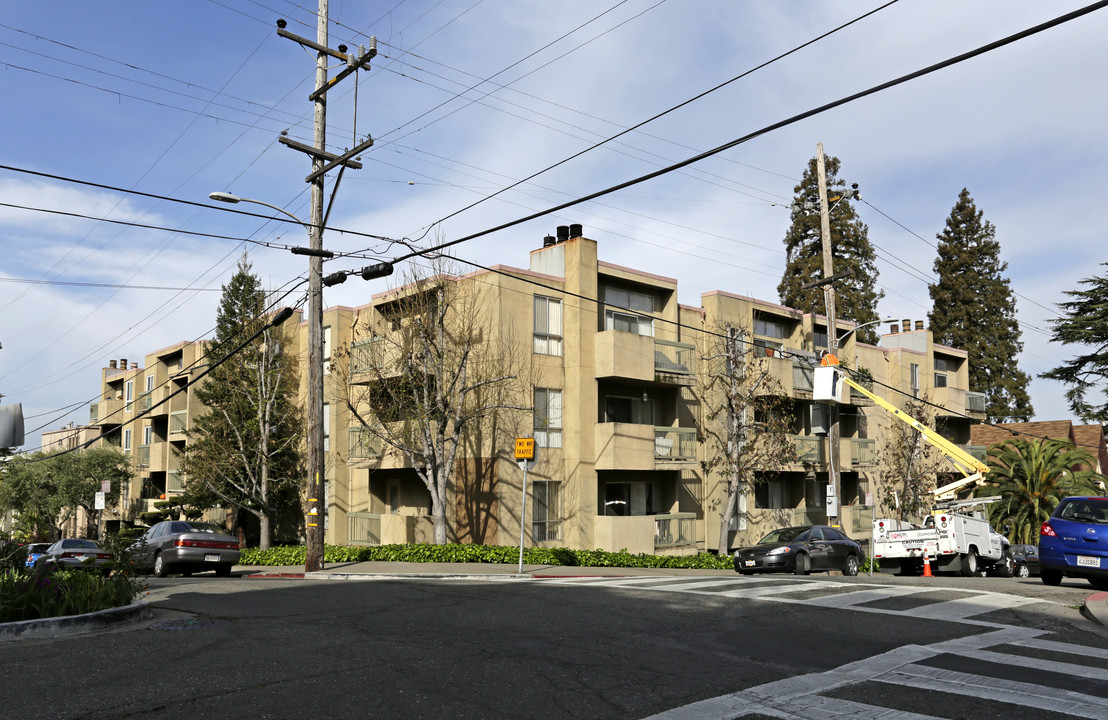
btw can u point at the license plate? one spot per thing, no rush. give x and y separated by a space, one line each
211 557
1087 561
748 563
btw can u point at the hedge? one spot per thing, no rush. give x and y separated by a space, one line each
497 554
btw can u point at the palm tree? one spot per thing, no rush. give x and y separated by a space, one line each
1031 477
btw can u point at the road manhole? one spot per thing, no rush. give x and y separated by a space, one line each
186 624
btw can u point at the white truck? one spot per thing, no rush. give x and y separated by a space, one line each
956 535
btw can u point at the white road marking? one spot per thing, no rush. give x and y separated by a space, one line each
967 607
1085 671
1060 647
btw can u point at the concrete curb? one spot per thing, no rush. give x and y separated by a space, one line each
1096 608
74 624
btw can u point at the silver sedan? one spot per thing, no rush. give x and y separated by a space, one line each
77 554
186 547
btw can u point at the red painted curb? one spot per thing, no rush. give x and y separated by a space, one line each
1097 597
268 576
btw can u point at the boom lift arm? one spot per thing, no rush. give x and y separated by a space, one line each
828 386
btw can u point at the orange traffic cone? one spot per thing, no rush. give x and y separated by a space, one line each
927 566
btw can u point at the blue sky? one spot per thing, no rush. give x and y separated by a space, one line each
465 98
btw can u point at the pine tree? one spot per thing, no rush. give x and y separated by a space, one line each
973 308
856 295
1085 323
245 451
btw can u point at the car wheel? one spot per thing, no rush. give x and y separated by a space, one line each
969 564
1023 571
161 567
223 570
1006 567
1051 577
851 567
1100 583
801 565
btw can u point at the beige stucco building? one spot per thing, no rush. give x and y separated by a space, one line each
611 366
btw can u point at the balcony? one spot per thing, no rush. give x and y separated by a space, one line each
174 482
674 362
810 449
107 412
975 404
627 446
863 452
362 444
374 358
142 456
674 530
978 451
669 532
178 423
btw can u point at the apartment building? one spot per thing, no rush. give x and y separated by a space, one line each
610 364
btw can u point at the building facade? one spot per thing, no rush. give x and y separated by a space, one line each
608 370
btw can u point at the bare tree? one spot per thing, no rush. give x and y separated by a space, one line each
908 463
747 420
436 374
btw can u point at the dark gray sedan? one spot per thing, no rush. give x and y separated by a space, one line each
77 554
186 547
801 550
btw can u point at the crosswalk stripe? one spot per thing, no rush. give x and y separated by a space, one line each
967 607
858 597
1085 671
770 590
998 689
1061 647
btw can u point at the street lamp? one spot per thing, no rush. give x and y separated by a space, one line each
859 327
314 556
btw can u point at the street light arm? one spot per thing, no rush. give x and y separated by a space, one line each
234 199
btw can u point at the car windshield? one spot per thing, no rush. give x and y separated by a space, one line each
786 535
1085 510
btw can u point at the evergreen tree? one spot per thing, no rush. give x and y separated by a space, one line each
973 308
245 451
1085 323
857 294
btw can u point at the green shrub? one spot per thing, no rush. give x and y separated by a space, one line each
29 595
499 554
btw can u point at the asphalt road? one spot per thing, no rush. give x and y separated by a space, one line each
688 647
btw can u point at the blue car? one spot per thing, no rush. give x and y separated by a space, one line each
1074 542
34 552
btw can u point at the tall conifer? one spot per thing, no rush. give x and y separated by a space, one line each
856 295
973 308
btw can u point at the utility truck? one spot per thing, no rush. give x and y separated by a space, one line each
956 535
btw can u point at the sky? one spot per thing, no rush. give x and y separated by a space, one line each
147 103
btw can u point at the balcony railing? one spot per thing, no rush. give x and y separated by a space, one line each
365 355
975 402
178 421
803 377
674 530
675 444
863 451
809 449
363 528
143 455
674 358
174 482
145 401
362 444
978 451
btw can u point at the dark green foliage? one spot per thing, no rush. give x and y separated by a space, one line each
245 451
973 308
42 594
1085 323
857 295
499 554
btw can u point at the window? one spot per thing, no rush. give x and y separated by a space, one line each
548 326
629 299
148 435
915 380
773 329
633 498
548 418
770 494
546 511
129 395
942 367
628 410
326 427
615 320
327 350
819 337
940 380
127 440
149 383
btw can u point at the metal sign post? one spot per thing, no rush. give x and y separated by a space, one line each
525 456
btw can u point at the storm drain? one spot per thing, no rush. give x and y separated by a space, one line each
186 624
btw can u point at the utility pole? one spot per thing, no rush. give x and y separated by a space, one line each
322 161
832 340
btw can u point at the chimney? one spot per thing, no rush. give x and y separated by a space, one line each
919 324
892 328
548 241
111 364
905 325
563 233
576 231
122 363
134 365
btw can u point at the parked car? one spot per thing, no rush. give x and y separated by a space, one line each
185 547
77 554
800 550
34 551
1026 560
1073 542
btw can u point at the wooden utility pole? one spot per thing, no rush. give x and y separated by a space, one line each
322 162
832 340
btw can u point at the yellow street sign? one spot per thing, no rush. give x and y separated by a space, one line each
525 448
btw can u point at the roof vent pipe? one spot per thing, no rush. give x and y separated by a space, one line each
919 324
548 241
906 325
576 231
111 364
892 329
123 363
563 233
